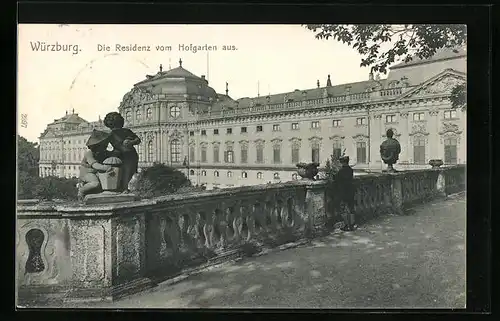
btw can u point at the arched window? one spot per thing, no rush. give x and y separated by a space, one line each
203 173
149 113
259 175
138 114
150 151
191 172
294 176
276 175
175 111
175 151
216 174
229 174
128 116
244 175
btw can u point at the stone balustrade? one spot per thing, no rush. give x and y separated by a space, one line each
101 252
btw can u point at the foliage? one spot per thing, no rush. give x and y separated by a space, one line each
380 45
30 185
333 166
50 188
28 155
160 180
459 96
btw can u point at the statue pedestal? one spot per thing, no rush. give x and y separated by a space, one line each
109 197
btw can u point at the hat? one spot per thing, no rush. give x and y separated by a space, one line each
344 159
97 137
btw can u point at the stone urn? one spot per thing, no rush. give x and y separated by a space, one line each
307 171
110 180
436 163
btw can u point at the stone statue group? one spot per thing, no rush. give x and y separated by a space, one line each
99 163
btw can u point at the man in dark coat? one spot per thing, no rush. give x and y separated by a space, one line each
345 183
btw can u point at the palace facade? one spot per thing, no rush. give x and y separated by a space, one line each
222 142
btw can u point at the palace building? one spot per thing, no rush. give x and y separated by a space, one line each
221 142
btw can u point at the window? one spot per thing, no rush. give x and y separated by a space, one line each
315 124
175 151
243 129
276 128
203 132
259 128
216 153
450 151
337 150
295 126
138 114
191 172
260 154
361 152
128 116
276 175
150 151
294 176
229 174
191 133
149 113
244 155
203 173
259 175
229 156
315 153
390 118
276 154
216 132
419 150
450 114
244 174
361 121
229 131
295 154
418 116
175 111
192 153
204 154
336 123
216 174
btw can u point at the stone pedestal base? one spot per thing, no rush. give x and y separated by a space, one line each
109 197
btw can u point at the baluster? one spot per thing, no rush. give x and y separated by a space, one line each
230 229
183 222
237 223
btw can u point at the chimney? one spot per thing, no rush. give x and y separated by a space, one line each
161 68
328 81
203 77
370 76
227 89
317 83
66 113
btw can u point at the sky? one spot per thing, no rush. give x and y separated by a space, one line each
92 80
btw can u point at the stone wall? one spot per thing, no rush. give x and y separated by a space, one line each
88 252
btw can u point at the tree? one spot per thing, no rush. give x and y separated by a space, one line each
27 167
28 156
160 180
50 188
381 44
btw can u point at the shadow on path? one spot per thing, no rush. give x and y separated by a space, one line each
413 261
